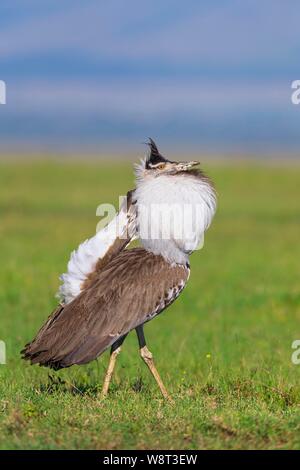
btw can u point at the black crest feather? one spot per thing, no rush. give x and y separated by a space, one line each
154 156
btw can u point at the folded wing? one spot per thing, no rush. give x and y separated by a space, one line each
133 288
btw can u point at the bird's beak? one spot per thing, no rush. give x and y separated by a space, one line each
193 163
183 166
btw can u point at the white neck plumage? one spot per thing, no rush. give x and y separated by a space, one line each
173 212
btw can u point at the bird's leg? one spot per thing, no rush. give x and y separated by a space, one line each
109 372
148 359
114 352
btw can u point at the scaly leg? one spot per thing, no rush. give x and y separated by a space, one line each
114 352
148 359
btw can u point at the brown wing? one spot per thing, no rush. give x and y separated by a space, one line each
134 287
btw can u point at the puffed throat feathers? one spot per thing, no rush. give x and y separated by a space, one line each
173 212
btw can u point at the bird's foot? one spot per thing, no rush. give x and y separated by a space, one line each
147 357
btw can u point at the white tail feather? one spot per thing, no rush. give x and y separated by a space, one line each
83 260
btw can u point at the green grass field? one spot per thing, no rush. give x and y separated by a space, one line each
223 349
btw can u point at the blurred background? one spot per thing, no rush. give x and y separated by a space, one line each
198 76
87 83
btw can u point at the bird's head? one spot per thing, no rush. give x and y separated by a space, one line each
156 165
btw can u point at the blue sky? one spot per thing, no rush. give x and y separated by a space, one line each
205 76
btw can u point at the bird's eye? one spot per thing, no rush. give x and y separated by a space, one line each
161 166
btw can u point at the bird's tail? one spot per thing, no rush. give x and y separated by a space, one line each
37 350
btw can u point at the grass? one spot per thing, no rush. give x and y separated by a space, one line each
223 349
